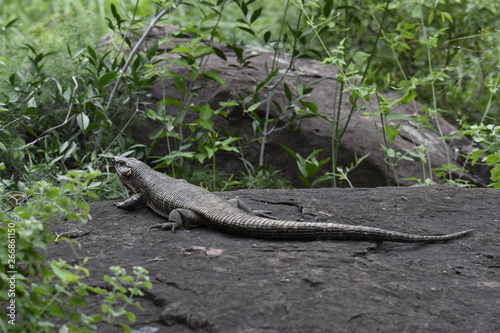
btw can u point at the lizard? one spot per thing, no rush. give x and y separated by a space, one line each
187 205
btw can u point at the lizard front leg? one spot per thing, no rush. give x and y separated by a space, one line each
180 217
237 202
134 201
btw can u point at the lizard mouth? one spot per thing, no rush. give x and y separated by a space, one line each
123 170
121 167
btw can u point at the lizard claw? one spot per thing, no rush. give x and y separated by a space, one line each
157 226
264 213
165 226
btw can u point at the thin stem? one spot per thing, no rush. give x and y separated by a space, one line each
131 56
136 49
386 10
434 104
264 131
493 91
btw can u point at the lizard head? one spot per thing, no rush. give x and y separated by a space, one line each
129 171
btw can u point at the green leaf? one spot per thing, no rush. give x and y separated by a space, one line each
53 192
171 101
396 116
327 8
408 96
253 107
78 300
201 51
288 92
116 15
206 112
26 127
390 152
250 31
148 285
125 327
96 318
289 151
305 182
492 159
495 176
157 134
446 16
92 52
267 79
360 58
255 15
130 316
220 53
430 19
216 77
57 310
311 169
228 104
267 36
106 78
393 131
321 179
67 94
31 110
181 49
42 290
83 121
311 106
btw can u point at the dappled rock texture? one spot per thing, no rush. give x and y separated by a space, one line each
207 281
363 134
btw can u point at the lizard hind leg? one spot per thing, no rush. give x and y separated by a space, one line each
180 217
237 202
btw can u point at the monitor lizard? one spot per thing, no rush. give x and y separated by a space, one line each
187 205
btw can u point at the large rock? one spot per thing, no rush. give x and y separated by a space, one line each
208 281
362 136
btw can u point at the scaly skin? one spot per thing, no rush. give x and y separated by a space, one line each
188 205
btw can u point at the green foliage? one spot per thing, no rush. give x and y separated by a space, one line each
41 291
343 172
61 120
123 288
262 177
488 137
461 35
309 166
65 102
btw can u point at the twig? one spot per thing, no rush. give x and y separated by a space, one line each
134 51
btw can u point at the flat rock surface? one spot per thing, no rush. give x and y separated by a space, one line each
207 281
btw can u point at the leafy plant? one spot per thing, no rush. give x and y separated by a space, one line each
310 166
262 177
488 137
41 291
66 102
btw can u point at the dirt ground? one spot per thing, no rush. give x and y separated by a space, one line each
207 281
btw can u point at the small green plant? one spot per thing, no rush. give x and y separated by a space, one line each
262 177
123 289
488 137
310 166
342 173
